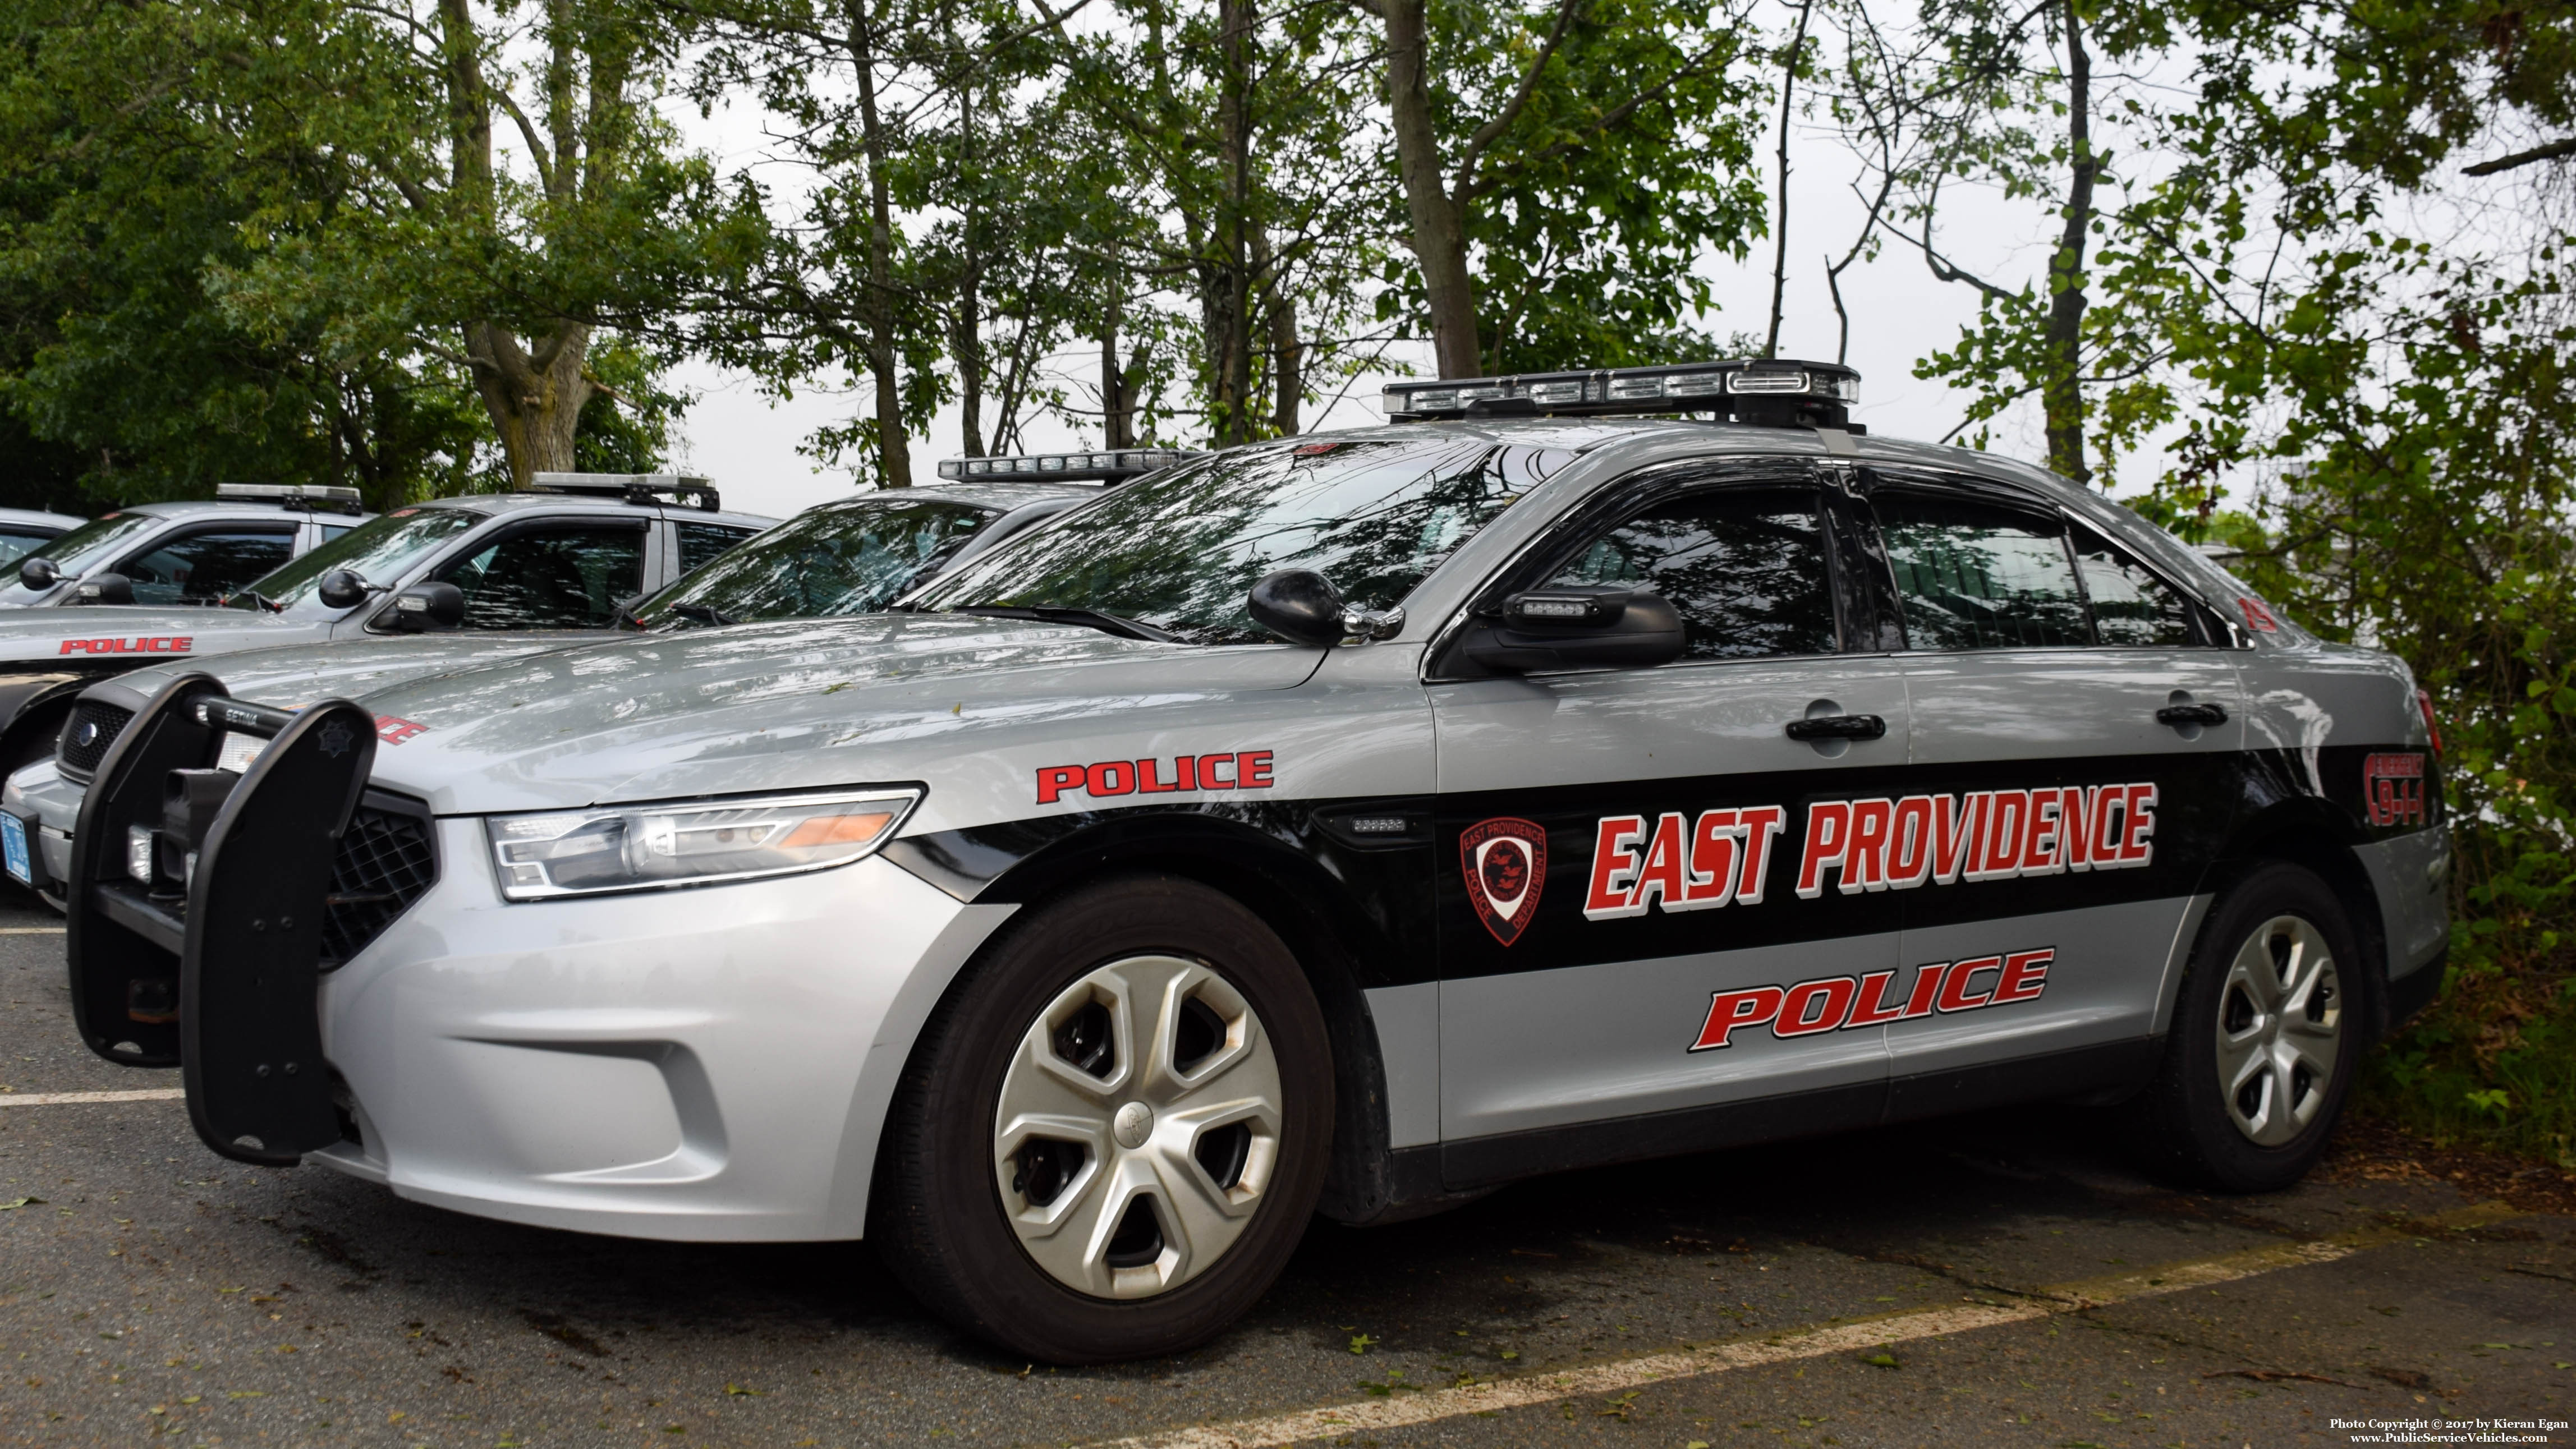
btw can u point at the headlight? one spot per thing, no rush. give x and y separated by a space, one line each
698 842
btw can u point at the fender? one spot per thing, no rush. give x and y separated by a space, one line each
1355 912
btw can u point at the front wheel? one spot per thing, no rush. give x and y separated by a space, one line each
1113 1130
2265 1038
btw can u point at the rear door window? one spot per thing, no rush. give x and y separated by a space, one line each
1971 575
2131 605
704 542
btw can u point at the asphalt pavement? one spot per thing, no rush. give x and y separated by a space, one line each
1999 1280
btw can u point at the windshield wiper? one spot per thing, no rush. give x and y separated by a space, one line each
1088 618
704 614
257 599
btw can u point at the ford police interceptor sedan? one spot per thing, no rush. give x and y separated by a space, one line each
559 558
844 557
1351 822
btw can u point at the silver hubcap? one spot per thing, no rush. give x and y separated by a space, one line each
2280 1018
1138 1127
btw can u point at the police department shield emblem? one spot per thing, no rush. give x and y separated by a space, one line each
1505 861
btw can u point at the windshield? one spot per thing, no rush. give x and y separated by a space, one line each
1181 551
848 558
84 547
380 550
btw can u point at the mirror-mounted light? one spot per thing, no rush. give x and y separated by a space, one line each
103 588
424 607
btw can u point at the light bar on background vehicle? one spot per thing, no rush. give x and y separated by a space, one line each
1109 465
290 495
1765 392
633 487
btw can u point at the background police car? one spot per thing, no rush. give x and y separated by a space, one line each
844 557
551 560
1631 787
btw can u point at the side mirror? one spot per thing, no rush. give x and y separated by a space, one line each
424 607
1300 606
342 589
39 573
106 588
1586 628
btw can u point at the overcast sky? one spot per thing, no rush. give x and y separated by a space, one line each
748 444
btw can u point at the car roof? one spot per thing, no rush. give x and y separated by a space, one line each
40 518
498 504
236 508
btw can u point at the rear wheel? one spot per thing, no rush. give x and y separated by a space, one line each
1114 1129
2265 1038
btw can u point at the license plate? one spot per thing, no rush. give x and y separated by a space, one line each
238 750
13 849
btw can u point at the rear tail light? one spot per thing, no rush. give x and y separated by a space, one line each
2424 702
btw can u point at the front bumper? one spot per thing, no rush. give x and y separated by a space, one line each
703 1064
50 803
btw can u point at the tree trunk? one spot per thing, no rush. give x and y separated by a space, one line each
1780 246
1117 404
1228 305
535 400
894 452
2062 399
1287 354
1439 232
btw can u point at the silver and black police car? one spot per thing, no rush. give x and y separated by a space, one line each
844 557
1350 822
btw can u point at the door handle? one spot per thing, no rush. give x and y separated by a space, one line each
1839 727
2191 714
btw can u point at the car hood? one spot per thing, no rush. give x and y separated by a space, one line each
803 704
85 636
296 675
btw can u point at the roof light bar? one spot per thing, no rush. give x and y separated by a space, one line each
1762 391
633 487
1110 465
290 495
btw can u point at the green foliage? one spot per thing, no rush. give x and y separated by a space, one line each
1630 166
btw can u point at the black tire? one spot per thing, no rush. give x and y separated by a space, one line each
2192 1129
937 1210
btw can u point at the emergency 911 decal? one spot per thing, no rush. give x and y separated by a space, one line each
1679 863
1848 1003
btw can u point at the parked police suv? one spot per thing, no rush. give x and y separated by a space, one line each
1354 821
844 557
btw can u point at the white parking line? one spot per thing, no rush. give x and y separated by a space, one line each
1895 1328
30 930
66 1099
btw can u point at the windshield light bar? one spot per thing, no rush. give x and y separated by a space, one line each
290 495
1763 391
633 487
1110 465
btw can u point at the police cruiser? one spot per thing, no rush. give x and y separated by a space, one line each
1349 822
562 557
845 557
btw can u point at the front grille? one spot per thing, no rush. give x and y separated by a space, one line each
87 734
385 863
